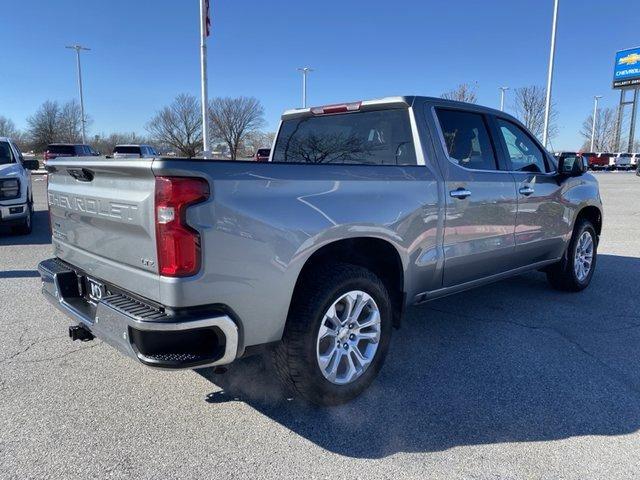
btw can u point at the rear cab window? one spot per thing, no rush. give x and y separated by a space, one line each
62 150
127 150
373 137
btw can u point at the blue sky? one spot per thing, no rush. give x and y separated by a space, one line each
146 52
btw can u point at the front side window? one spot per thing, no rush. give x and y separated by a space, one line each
19 152
467 139
381 137
524 153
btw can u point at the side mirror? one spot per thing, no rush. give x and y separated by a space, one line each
572 166
31 164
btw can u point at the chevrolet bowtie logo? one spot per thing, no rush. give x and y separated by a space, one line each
630 59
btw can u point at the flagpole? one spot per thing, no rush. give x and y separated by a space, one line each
204 15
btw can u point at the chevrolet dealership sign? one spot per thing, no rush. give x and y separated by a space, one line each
626 72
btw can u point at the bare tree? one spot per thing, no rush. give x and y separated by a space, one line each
70 122
465 92
255 140
605 134
8 128
179 126
529 108
43 125
53 122
232 119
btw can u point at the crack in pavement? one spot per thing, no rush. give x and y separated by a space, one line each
621 377
33 343
66 354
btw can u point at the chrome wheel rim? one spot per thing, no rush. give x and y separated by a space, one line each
348 337
583 257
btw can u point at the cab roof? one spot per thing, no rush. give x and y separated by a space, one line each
399 101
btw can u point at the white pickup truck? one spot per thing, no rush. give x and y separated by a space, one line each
16 198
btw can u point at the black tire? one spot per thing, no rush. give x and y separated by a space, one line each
25 227
562 275
295 358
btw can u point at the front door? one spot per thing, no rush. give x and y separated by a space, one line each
542 223
481 202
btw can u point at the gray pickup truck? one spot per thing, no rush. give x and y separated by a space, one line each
363 209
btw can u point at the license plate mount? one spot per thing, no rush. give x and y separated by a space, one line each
95 290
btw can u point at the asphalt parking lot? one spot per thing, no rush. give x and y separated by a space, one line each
512 380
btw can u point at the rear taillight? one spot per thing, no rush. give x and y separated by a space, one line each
46 156
178 244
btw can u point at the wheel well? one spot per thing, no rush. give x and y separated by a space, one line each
378 256
592 214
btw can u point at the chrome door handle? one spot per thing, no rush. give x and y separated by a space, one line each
526 190
460 193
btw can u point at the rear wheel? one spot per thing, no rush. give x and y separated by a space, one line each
337 334
574 272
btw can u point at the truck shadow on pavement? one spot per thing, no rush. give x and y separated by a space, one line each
511 362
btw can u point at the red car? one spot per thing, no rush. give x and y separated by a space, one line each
262 155
599 161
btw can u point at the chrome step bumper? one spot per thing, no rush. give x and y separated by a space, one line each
139 330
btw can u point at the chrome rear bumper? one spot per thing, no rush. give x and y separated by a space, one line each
142 331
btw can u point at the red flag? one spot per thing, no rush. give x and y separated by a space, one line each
208 18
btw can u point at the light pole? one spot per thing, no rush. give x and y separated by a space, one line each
552 54
204 98
502 90
305 71
77 48
595 115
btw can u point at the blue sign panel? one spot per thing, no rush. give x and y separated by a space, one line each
626 72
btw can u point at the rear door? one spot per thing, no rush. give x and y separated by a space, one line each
542 222
481 202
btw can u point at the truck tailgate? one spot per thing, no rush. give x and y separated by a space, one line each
102 219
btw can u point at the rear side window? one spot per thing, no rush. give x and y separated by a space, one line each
121 149
524 154
62 149
467 139
381 137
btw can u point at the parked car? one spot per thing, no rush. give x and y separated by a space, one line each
622 161
590 157
600 161
635 157
16 197
55 150
262 155
134 151
364 209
